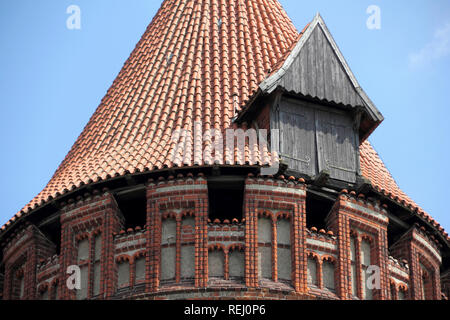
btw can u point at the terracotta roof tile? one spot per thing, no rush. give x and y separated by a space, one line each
196 61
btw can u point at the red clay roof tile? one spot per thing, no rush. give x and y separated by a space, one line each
188 66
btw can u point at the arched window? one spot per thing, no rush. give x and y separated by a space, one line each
284 259
401 294
187 248
139 269
18 285
426 283
274 246
328 275
97 265
168 249
89 251
360 261
354 269
178 247
236 263
83 263
265 247
366 262
123 273
312 272
216 263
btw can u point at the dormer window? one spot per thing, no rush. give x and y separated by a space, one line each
316 139
319 107
226 198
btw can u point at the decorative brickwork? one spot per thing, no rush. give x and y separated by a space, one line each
96 215
424 260
276 199
177 199
268 254
21 257
364 219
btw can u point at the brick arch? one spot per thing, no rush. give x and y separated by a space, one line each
311 254
266 214
370 239
169 215
283 215
402 287
217 247
316 258
429 274
137 255
333 261
425 261
82 236
397 288
328 258
188 213
122 258
235 247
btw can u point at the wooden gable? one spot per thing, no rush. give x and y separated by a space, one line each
316 68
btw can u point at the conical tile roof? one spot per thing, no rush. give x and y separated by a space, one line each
196 62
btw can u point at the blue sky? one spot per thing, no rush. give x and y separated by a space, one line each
52 79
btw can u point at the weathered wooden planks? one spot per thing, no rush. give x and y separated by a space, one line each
314 138
317 71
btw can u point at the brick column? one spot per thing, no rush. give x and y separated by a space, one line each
24 250
182 193
94 214
152 260
276 195
201 240
418 247
350 213
251 243
338 223
300 274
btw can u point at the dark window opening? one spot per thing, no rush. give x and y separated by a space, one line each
133 206
52 231
317 209
226 199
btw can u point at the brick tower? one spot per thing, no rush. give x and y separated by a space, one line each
229 159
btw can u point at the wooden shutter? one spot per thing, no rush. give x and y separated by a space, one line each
336 143
297 141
